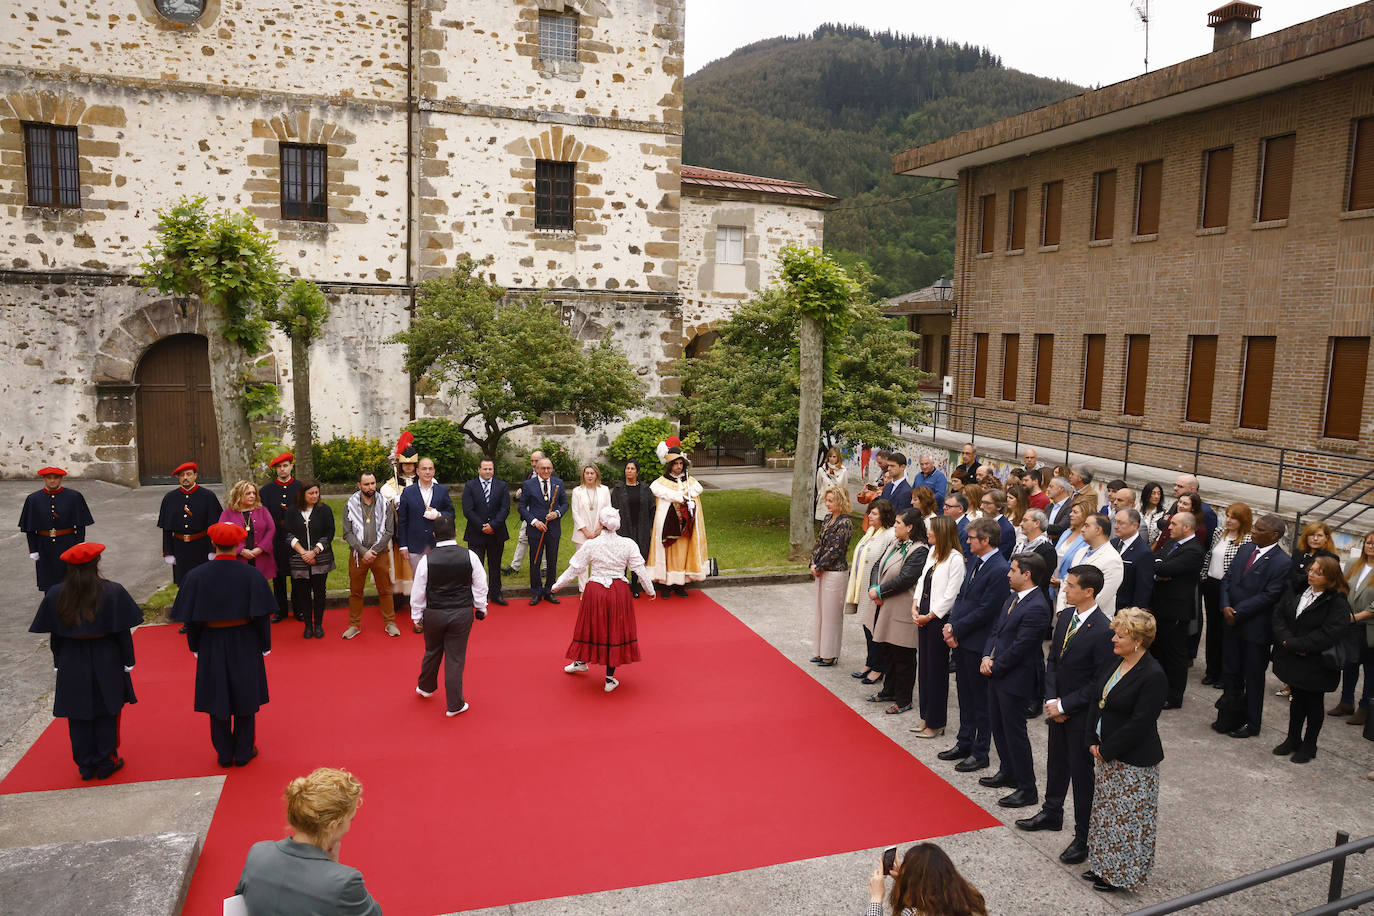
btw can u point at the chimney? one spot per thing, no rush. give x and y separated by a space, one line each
1232 24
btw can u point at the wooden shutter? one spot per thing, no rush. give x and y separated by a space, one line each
1011 365
1149 178
1137 373
1362 167
1050 215
989 226
1259 382
1276 181
1044 367
1104 204
1216 187
1016 231
1094 367
1345 387
1202 374
980 365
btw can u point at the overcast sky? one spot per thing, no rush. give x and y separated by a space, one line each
1089 42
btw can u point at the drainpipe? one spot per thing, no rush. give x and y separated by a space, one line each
410 176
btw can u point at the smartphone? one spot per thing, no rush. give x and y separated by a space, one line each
889 859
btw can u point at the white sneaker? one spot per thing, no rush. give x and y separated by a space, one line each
459 712
575 667
424 693
611 684
351 632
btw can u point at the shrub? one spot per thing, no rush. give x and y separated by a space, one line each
564 464
513 470
443 441
610 474
639 440
342 459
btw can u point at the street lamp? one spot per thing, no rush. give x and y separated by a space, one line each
944 292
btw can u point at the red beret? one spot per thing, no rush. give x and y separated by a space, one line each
227 534
44 472
281 459
188 466
81 553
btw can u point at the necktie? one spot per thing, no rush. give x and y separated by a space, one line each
1251 562
486 490
1014 601
545 485
1116 544
977 565
1073 628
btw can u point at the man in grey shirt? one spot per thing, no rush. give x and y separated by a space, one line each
367 530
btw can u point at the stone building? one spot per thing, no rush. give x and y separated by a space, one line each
378 142
1190 251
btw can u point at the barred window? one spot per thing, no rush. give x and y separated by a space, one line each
557 36
304 186
50 160
553 194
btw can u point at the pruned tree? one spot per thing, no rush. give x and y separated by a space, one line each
230 266
301 314
511 362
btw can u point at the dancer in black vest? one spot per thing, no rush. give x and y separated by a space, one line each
449 590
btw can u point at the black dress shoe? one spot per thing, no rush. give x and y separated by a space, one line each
251 754
499 600
881 698
279 617
319 632
954 753
1089 876
1021 798
972 764
1245 731
1074 853
999 780
1104 887
1041 820
1286 748
680 591
1208 680
1302 755
114 767
1170 704
875 680
309 631
508 570
1219 728
535 599
664 594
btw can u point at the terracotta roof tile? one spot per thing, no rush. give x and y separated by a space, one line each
717 178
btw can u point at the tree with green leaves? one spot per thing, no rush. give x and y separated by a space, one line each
300 314
510 362
228 264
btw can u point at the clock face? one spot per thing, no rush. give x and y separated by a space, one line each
181 11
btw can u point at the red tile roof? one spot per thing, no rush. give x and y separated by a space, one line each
697 176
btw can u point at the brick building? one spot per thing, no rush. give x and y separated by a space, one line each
1188 251
377 141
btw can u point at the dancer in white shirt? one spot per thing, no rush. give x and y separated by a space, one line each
605 632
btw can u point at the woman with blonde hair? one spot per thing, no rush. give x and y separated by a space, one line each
923 500
974 494
246 510
302 875
830 569
586 501
941 579
1071 542
1315 541
832 473
877 537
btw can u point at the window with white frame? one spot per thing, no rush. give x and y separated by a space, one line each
729 244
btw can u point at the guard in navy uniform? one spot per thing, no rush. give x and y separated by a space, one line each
227 608
90 622
187 513
55 519
279 497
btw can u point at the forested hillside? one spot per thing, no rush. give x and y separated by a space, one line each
831 109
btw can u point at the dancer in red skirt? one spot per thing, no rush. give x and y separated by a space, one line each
605 630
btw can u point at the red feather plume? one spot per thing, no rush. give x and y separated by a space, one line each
673 442
404 442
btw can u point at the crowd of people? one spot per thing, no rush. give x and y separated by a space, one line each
1044 601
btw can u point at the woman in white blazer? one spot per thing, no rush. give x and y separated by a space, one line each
586 501
935 592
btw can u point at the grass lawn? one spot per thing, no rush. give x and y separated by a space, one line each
746 530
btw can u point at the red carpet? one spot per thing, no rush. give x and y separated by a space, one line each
716 754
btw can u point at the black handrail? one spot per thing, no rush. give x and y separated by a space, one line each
1335 855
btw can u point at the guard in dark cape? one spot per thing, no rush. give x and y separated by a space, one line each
90 623
227 608
278 497
55 519
187 513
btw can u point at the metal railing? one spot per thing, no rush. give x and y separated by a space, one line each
1342 504
1257 461
728 455
1335 902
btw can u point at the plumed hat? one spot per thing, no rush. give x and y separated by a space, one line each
81 553
405 452
670 449
226 534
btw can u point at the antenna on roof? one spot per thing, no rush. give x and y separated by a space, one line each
1142 9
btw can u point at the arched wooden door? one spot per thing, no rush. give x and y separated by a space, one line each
176 415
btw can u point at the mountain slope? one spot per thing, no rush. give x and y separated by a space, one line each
831 109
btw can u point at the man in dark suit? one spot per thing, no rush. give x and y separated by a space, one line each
896 490
1137 562
1081 646
543 503
1060 492
968 462
486 503
420 504
278 497
983 595
1251 589
1174 602
956 507
1011 663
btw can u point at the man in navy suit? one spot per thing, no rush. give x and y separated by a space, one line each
1252 587
1137 562
956 507
1081 646
543 503
1174 602
420 504
1011 662
897 491
486 503
983 596
1060 492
